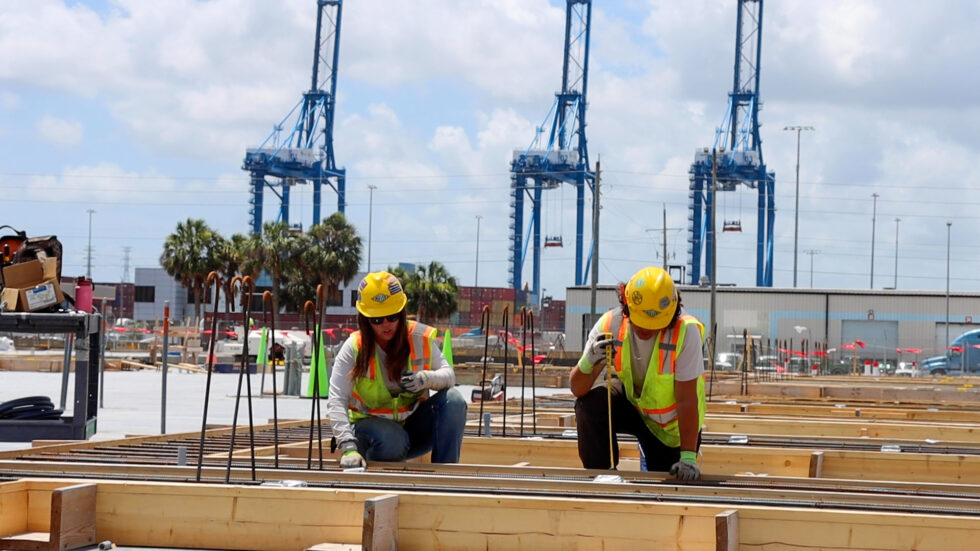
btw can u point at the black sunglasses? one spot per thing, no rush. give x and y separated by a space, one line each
379 321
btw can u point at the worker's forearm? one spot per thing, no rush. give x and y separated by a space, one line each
580 383
687 413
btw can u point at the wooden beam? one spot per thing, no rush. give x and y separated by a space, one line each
726 531
816 464
380 530
238 517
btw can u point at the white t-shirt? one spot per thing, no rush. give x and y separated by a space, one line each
689 364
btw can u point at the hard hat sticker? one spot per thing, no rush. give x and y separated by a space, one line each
636 298
380 297
394 288
665 302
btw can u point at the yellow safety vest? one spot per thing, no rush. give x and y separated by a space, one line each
657 403
371 398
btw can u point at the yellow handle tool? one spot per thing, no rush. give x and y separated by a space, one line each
608 368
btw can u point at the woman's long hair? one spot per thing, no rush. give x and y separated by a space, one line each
397 354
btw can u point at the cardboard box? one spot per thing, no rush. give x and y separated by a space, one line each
32 285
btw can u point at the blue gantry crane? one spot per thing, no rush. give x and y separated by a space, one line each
738 150
563 159
305 154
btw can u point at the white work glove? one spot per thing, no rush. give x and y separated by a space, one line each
415 382
349 456
596 353
687 468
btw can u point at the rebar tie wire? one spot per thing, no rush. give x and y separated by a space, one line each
269 304
485 327
213 282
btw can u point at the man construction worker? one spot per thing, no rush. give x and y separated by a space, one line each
392 394
657 383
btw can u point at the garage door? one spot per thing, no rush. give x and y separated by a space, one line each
879 337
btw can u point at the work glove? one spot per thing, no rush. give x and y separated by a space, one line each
349 456
415 382
687 468
596 352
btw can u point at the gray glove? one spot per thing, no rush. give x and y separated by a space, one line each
349 456
415 382
686 469
597 351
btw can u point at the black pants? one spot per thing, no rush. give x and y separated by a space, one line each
592 420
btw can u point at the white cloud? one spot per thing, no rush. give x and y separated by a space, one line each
60 132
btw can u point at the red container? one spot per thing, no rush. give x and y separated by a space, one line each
83 294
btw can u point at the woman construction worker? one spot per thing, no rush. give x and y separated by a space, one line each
381 403
656 386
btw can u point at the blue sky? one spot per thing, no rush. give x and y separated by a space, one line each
142 112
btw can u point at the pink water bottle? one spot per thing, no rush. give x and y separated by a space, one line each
83 294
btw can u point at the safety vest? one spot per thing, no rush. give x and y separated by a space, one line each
656 403
371 398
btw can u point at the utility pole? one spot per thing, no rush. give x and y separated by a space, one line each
595 241
796 216
88 263
371 188
874 213
895 284
125 274
712 331
949 223
811 252
665 237
476 276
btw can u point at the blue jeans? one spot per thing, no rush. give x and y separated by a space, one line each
436 425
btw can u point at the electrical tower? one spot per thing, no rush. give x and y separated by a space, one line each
563 159
305 154
739 154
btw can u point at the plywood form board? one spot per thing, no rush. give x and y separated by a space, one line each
224 517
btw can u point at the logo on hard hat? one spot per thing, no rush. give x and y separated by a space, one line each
380 297
362 285
665 302
394 288
636 298
651 313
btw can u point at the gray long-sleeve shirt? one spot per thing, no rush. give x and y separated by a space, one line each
441 376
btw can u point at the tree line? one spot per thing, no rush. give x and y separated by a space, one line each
329 253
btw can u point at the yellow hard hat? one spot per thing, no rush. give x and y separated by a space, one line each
651 298
380 294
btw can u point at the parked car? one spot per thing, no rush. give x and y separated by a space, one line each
769 364
908 369
728 361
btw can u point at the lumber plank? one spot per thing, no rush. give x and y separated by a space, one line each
13 508
380 528
726 531
73 517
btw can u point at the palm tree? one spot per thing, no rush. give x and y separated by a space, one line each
274 252
189 255
332 253
231 254
431 291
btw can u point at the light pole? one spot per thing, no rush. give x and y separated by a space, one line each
476 275
874 214
895 284
948 224
371 188
811 252
88 264
796 216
